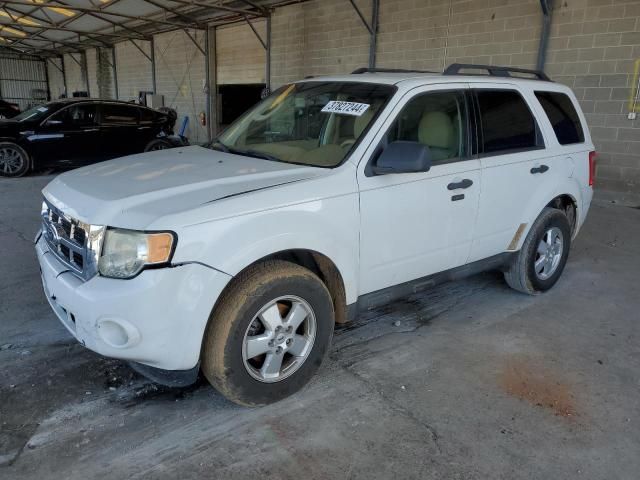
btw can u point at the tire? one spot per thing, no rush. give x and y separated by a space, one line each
14 160
237 329
158 144
529 272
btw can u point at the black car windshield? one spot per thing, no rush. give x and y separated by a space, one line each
309 123
34 114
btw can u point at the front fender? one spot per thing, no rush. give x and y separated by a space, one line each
328 226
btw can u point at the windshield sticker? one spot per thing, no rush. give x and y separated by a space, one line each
346 108
42 109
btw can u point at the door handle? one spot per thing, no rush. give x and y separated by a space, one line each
540 169
90 129
466 183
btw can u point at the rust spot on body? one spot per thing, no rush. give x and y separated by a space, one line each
539 387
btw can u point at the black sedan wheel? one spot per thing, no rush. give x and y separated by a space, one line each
14 161
158 144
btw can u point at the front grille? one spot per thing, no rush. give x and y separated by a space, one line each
67 239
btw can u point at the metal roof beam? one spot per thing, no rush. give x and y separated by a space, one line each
239 11
101 12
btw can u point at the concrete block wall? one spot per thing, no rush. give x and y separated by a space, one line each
133 69
180 76
56 79
318 38
105 74
240 57
74 74
593 48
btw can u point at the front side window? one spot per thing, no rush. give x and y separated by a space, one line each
310 123
112 113
507 124
436 120
80 115
562 116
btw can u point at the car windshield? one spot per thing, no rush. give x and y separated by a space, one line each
34 113
309 123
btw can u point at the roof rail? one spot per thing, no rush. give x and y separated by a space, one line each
493 70
360 70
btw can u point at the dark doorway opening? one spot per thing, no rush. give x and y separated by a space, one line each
235 99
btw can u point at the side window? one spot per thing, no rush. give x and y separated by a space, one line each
80 115
507 124
113 113
563 117
436 120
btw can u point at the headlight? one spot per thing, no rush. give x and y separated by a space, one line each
125 253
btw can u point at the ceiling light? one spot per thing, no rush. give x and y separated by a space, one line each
13 31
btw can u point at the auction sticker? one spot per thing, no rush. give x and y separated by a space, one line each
346 108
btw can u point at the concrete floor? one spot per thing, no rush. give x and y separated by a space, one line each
477 381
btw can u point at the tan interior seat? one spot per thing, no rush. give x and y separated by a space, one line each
436 130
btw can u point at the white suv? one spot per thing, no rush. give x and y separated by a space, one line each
330 196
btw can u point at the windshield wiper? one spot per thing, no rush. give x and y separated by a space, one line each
218 145
257 154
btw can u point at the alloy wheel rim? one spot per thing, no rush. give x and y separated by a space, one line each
279 339
548 253
11 160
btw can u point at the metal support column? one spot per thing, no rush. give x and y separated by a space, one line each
152 44
372 29
46 76
373 43
115 72
212 83
85 68
267 67
64 76
547 8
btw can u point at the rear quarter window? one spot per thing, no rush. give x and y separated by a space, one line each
563 117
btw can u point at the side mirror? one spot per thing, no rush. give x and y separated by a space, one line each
403 157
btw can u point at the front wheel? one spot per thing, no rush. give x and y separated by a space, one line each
14 160
541 260
269 333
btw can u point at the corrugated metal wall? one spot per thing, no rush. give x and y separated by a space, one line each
23 80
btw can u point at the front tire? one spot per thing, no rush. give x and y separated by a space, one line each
269 333
14 160
541 260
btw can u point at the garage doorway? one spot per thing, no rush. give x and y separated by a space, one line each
23 80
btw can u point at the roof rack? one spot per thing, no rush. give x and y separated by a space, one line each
494 71
360 70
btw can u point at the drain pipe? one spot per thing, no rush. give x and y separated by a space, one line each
547 7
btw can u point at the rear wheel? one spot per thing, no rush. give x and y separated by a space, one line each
541 260
158 144
268 334
14 160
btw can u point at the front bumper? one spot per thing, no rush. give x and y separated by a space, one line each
157 318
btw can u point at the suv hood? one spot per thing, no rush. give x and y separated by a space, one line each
133 191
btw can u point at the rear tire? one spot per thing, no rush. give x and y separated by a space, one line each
256 350
158 144
14 160
541 260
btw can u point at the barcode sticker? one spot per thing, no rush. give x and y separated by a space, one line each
345 108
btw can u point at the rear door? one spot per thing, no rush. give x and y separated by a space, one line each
514 161
119 130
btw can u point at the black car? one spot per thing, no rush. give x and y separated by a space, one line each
77 132
8 110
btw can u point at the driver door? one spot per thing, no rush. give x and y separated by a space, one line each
417 224
70 136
